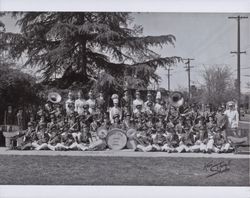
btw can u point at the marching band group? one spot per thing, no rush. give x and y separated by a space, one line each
149 126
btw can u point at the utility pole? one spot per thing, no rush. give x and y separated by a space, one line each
188 69
238 52
169 74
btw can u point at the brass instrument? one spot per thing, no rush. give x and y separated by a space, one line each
176 99
54 97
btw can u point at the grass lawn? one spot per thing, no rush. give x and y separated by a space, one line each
85 170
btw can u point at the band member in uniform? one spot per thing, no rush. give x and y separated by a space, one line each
70 104
66 141
207 112
210 124
149 108
232 117
127 123
144 141
158 139
115 110
48 107
221 145
137 101
126 101
79 103
200 137
160 124
126 110
42 137
158 106
58 111
149 100
29 137
100 103
138 112
116 123
171 137
85 132
74 128
91 102
106 122
221 119
93 128
97 143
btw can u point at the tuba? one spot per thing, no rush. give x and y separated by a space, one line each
176 99
54 97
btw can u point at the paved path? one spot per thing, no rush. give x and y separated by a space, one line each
121 153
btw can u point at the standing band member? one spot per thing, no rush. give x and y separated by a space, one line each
115 110
79 103
100 103
91 102
137 101
70 104
232 116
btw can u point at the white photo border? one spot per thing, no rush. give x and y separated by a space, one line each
200 6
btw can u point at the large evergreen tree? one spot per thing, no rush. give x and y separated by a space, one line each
106 49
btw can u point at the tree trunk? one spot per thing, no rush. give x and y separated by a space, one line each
83 61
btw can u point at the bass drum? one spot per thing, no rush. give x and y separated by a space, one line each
116 139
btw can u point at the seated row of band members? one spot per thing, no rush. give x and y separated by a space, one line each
193 114
48 138
63 134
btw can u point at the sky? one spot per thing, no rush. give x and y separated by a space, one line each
207 38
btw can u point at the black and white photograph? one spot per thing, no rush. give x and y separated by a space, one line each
124 98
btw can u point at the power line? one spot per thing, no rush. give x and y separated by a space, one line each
238 52
202 45
188 69
168 75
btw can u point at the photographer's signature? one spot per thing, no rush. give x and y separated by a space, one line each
217 167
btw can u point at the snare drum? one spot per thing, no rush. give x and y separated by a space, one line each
102 132
131 133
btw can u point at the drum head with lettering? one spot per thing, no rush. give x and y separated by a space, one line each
116 139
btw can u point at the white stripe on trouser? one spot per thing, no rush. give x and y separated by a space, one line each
166 147
42 146
75 145
210 144
225 147
145 148
182 147
203 147
195 147
60 146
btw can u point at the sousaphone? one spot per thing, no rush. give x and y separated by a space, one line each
176 99
54 97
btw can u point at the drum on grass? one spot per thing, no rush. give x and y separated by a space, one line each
131 133
116 139
102 132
